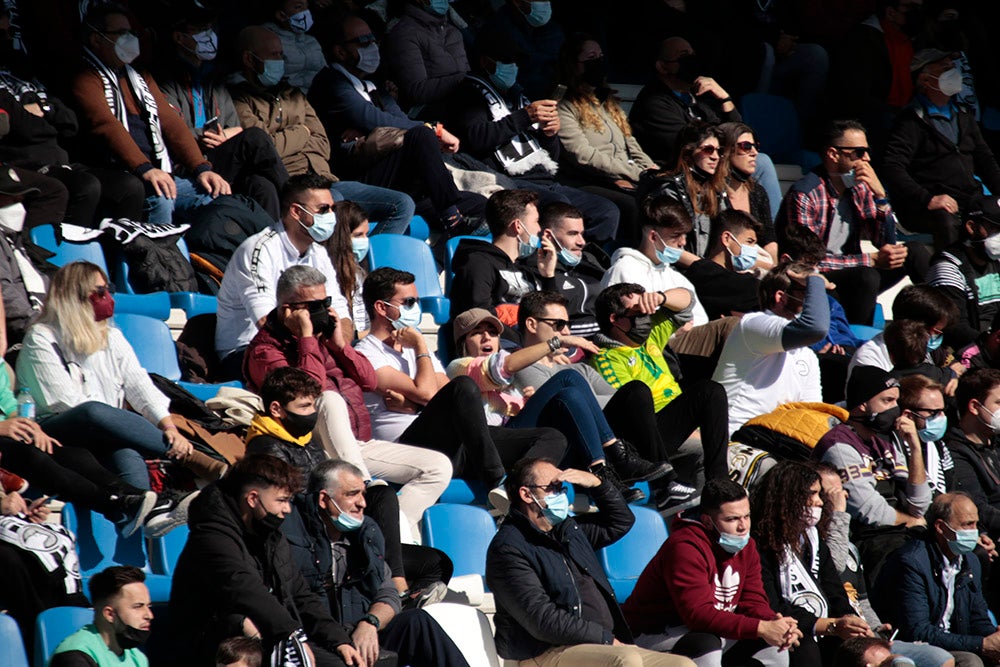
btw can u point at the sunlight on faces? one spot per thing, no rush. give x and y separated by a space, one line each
349 496
732 518
706 157
482 340
131 605
745 161
269 500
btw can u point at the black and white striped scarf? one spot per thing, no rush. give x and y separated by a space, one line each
51 544
23 91
144 98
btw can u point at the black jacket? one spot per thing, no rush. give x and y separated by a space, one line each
485 277
33 141
658 115
977 472
228 572
723 292
537 599
954 272
921 163
304 458
306 533
580 285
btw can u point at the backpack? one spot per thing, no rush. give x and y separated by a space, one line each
217 230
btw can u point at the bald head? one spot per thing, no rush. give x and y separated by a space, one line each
950 513
257 46
673 47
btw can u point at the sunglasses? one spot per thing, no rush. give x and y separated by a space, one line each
554 487
101 290
316 306
408 302
709 149
556 324
855 152
322 209
747 146
928 413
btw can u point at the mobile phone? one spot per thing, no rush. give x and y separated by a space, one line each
558 92
211 124
44 500
887 635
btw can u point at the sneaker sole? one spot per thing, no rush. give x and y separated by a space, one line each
437 592
635 497
499 502
161 525
130 528
660 471
676 509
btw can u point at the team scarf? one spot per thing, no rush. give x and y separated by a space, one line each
798 583
144 98
50 543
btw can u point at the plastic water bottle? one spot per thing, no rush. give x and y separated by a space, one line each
25 404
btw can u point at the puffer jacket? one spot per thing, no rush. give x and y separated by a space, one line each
607 154
538 602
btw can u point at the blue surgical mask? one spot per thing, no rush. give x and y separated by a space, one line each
933 429
965 541
556 507
301 22
345 523
525 248
540 14
732 543
322 226
408 316
273 72
439 7
934 342
565 256
746 259
505 75
669 254
359 246
369 58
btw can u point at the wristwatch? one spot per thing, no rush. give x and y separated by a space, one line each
373 619
555 343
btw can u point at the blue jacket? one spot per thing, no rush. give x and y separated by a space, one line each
910 594
538 602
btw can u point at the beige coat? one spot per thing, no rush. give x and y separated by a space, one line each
608 153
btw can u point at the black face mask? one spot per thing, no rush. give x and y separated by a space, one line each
688 68
299 425
129 637
738 175
884 422
595 72
642 326
269 523
700 174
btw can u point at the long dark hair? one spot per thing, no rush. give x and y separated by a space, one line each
704 196
731 133
777 506
350 216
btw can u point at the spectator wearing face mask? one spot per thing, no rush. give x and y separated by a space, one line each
528 25
935 153
303 55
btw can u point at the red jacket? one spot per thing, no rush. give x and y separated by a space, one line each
682 585
344 371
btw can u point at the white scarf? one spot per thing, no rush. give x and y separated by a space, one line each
51 544
522 153
798 584
143 97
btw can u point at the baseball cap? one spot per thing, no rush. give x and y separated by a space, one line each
925 57
471 319
985 207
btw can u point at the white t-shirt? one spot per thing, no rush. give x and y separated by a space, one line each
759 374
386 424
248 286
872 353
631 266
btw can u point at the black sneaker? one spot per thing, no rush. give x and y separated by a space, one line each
607 475
675 497
168 513
134 510
631 467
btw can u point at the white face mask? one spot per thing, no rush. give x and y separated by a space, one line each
301 22
950 82
991 244
206 45
369 58
813 515
994 422
12 217
127 47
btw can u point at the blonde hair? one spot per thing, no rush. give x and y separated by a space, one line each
68 311
586 105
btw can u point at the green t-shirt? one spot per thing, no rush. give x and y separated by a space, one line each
88 640
8 402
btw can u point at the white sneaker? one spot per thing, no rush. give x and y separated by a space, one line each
498 498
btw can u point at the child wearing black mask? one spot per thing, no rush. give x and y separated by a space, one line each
285 428
887 493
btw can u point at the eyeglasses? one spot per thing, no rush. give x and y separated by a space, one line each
315 306
854 152
556 324
747 146
709 149
408 302
928 413
363 40
322 209
937 332
101 290
554 487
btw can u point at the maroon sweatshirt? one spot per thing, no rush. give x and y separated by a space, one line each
693 582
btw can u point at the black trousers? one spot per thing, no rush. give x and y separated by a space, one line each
453 423
72 473
631 416
944 226
252 166
419 640
48 205
703 404
96 193
858 287
418 166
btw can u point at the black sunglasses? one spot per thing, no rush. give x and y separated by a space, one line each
556 324
709 149
746 146
554 487
928 413
315 306
408 302
856 152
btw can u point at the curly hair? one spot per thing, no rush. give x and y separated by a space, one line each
580 94
777 507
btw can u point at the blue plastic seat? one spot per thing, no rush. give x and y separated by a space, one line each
418 229
409 254
776 124
54 625
449 254
100 547
461 531
193 303
864 332
154 304
625 560
164 551
12 653
66 252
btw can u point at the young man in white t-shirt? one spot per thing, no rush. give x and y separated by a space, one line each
766 360
416 404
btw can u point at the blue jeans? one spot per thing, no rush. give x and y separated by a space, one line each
600 215
924 655
392 210
767 176
566 402
120 439
160 210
